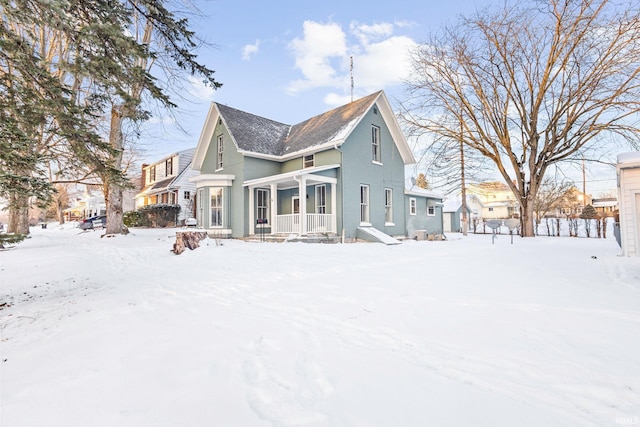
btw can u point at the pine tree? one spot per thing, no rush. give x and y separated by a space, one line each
53 101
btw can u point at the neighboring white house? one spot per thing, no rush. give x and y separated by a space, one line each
167 182
628 173
495 199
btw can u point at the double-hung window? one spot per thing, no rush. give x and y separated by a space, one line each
216 207
375 144
388 205
262 203
431 211
364 203
220 152
200 202
168 166
309 161
412 206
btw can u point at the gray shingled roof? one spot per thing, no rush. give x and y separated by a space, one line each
259 135
254 133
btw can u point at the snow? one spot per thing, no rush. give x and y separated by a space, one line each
630 157
121 332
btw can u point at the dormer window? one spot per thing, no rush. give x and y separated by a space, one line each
152 174
168 166
220 152
309 161
375 144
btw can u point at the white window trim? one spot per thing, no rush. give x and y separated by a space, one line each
220 153
413 206
434 211
221 208
267 207
376 142
201 209
389 192
304 161
365 221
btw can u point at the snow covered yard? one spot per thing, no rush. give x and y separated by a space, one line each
122 332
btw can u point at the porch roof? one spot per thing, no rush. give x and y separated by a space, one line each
289 177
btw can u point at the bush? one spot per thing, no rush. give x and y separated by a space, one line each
160 215
135 219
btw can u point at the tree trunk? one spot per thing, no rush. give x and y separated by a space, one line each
113 190
18 214
527 216
60 211
188 239
465 220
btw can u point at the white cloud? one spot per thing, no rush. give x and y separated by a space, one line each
249 50
313 54
199 90
365 33
383 64
323 56
336 100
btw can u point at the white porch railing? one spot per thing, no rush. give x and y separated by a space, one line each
316 223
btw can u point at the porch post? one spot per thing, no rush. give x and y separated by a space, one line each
252 219
274 207
303 205
334 208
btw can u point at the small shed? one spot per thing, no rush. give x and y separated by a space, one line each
424 213
628 174
452 215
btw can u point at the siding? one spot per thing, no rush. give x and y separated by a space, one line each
629 215
358 168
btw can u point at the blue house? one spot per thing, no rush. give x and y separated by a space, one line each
339 174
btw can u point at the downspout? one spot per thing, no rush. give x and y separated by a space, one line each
335 146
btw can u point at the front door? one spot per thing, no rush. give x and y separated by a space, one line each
295 210
295 205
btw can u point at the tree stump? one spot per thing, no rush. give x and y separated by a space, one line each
188 239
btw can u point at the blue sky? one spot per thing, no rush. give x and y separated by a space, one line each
290 60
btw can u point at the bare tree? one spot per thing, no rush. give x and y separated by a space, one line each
550 193
530 85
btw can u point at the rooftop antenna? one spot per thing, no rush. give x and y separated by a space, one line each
351 72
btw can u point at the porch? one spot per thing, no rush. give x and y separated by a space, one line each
313 224
294 203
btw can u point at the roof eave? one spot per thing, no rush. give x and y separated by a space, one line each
205 137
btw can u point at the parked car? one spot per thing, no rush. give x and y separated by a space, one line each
93 222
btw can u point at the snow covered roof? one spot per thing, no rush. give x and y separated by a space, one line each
631 159
260 137
421 192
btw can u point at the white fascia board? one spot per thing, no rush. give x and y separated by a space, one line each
289 156
205 137
424 194
288 176
394 128
212 180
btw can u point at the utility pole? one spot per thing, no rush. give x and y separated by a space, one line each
584 186
351 73
465 221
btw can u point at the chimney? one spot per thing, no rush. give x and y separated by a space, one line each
144 174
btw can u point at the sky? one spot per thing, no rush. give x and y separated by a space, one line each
292 61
